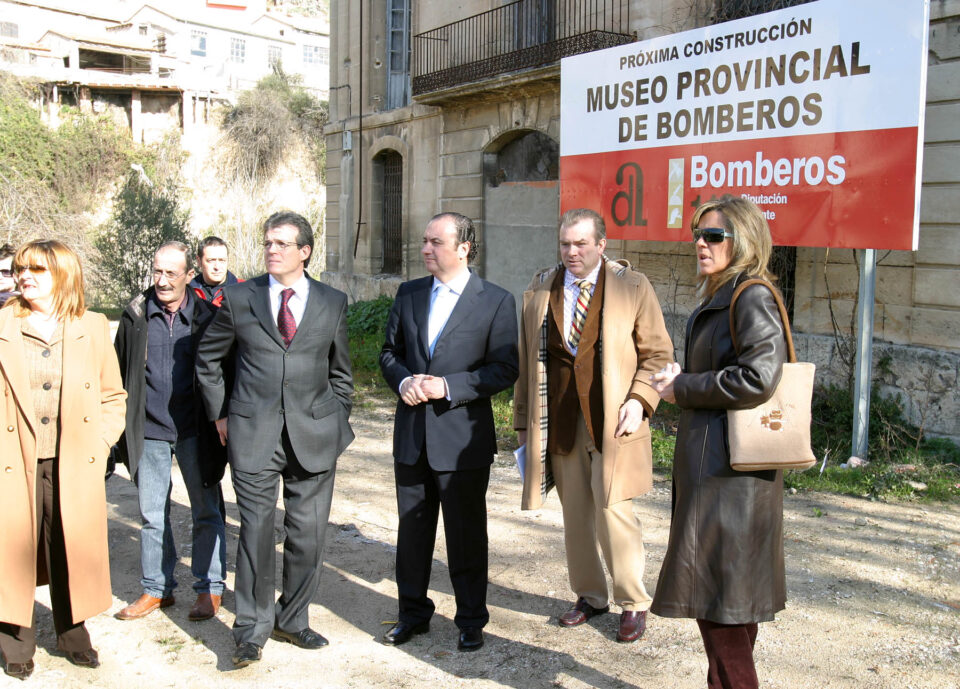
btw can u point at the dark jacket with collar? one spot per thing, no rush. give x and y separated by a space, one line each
131 347
476 353
200 288
724 560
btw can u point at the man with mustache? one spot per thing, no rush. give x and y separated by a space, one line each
156 344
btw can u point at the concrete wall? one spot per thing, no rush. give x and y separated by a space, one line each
519 216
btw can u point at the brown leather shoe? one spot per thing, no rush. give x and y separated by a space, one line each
580 613
633 623
143 606
205 607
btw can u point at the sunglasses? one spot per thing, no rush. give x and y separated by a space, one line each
20 270
711 235
6 272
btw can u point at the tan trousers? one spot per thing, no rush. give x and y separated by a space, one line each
587 523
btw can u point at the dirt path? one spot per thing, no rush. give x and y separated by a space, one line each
873 588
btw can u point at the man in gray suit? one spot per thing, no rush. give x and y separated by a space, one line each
287 418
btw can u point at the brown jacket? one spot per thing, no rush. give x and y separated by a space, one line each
633 345
724 560
92 406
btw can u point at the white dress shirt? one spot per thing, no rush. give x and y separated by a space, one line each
570 295
297 303
443 298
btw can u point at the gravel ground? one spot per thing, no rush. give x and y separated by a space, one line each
873 588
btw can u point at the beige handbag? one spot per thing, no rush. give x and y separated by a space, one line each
776 433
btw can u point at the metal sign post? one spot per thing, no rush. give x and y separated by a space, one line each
864 363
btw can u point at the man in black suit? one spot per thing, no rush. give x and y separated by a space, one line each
286 418
451 343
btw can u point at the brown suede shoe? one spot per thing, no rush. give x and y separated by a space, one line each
205 607
89 658
19 670
633 623
143 606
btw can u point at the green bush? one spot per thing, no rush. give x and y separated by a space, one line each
26 144
903 461
366 321
368 317
144 217
51 179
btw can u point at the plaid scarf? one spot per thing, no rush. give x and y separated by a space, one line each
546 472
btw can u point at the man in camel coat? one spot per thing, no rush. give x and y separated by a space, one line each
591 335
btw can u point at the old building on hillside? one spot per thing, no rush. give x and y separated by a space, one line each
455 106
163 64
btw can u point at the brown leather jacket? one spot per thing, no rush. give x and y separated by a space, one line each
724 560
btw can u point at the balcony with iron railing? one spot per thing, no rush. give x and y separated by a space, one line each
518 36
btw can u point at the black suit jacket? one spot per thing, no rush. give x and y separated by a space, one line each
308 385
476 353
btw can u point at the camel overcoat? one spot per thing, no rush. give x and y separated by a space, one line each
634 344
92 407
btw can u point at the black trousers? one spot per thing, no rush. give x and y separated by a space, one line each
462 495
306 504
19 643
729 650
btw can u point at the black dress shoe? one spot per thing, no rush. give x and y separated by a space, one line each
471 639
580 613
402 632
305 638
245 654
88 658
19 670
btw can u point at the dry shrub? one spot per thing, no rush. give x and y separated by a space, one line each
256 135
267 122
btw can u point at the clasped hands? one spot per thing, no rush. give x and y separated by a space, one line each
662 381
422 388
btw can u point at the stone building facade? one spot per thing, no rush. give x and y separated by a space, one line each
417 129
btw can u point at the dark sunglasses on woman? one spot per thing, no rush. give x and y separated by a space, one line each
711 235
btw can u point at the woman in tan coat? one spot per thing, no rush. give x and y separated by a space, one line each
63 410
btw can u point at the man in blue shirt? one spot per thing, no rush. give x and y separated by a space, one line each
156 344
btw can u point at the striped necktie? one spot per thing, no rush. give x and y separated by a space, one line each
579 313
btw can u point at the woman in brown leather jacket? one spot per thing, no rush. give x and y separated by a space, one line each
724 562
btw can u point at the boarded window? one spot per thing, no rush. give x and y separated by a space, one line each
392 212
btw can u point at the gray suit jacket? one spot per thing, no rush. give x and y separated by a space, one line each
309 385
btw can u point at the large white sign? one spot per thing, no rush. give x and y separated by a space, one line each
814 112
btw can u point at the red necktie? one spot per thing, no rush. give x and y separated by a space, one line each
285 322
